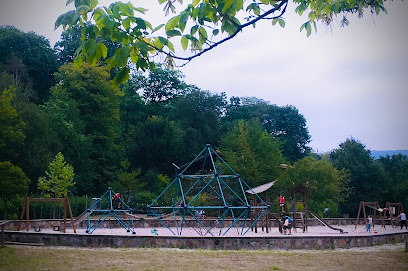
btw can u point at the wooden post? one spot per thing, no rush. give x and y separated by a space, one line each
22 215
70 215
358 214
65 213
28 214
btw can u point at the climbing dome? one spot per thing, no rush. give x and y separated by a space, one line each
207 198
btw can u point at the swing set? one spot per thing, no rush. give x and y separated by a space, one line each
390 208
26 211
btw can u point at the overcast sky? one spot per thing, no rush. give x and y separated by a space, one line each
347 82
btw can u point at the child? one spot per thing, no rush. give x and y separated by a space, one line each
370 221
281 201
287 225
117 198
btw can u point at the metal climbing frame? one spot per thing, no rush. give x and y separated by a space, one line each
107 209
216 192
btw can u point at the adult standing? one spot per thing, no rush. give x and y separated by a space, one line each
403 220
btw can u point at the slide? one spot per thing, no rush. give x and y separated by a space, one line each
324 223
84 214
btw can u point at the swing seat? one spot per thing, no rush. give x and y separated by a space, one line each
37 228
56 227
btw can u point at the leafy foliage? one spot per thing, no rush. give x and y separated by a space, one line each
30 59
85 112
328 187
59 179
11 126
252 152
13 182
200 25
127 180
366 176
285 123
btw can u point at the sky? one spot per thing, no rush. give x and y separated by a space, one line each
347 82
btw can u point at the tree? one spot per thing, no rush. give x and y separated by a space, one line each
366 177
224 19
41 142
29 58
127 179
285 123
59 179
85 112
163 84
11 126
153 144
395 188
328 187
13 182
252 153
198 114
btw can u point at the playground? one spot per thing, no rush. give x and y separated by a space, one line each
208 205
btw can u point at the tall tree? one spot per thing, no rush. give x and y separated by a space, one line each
327 186
128 181
59 179
27 53
153 144
40 144
285 123
395 188
13 182
88 109
198 113
252 152
12 126
366 177
200 25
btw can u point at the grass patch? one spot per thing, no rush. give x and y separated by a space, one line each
49 258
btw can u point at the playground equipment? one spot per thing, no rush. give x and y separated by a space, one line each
217 190
375 207
391 210
299 216
105 206
26 210
265 221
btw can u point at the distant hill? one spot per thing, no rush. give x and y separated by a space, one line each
377 154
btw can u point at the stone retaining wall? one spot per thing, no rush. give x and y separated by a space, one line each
229 243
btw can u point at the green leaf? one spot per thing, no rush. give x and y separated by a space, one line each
195 2
170 45
227 4
281 22
173 33
121 77
184 42
171 24
126 23
69 2
83 9
141 10
104 49
90 47
157 28
162 1
265 2
215 32
203 33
